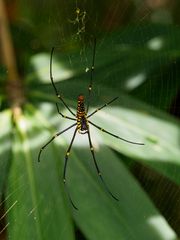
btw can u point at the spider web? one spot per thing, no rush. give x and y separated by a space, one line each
76 22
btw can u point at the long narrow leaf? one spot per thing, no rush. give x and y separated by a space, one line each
35 203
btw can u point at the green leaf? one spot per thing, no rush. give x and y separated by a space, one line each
36 206
134 121
133 217
5 147
36 203
99 216
137 60
158 132
161 87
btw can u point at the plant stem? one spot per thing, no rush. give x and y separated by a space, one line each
14 85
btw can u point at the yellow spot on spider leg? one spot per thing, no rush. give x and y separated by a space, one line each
67 154
92 149
77 11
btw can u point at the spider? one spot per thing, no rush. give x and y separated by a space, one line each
82 124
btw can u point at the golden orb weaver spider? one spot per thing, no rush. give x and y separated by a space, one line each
82 124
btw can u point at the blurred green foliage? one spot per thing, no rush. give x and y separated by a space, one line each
137 60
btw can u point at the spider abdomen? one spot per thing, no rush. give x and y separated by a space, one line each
82 123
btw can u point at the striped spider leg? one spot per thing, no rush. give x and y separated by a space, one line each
82 126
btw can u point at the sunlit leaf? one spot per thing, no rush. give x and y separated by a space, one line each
136 122
40 187
106 218
159 133
35 200
36 206
5 147
137 59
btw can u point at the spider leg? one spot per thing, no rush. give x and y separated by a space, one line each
62 115
55 89
56 135
91 78
65 166
97 168
125 140
102 107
